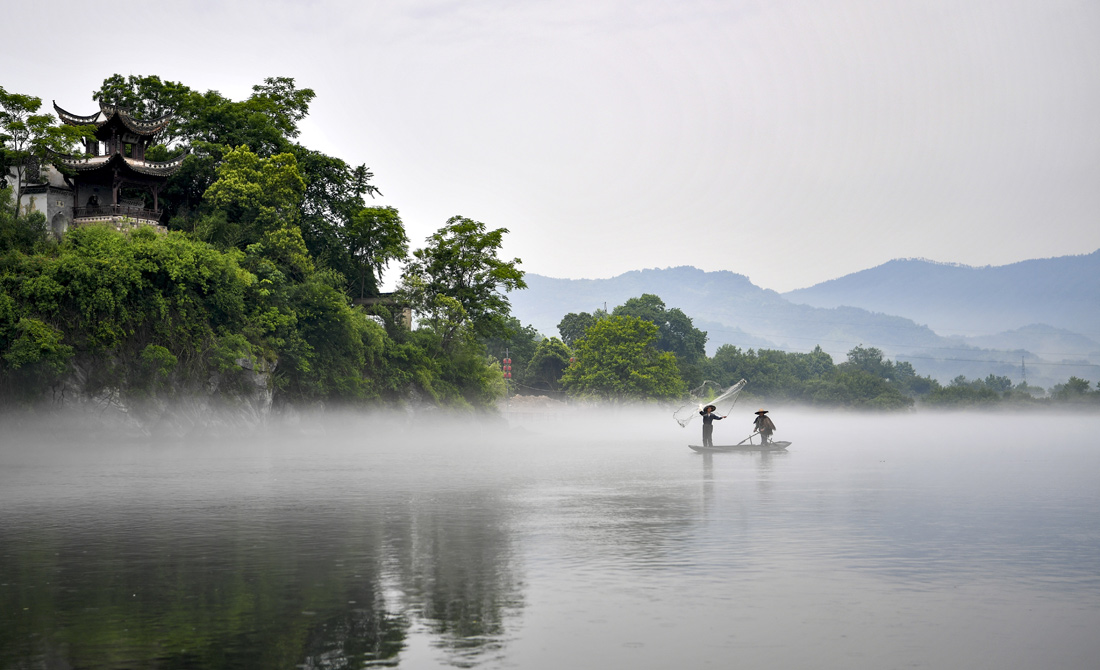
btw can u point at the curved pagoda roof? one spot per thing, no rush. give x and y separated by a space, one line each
107 113
93 163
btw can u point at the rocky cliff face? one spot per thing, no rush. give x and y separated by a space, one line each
175 408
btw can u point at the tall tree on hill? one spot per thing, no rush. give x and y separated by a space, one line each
334 221
458 282
149 97
373 238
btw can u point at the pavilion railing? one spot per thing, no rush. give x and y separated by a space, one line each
103 211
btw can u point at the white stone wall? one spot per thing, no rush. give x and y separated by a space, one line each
55 203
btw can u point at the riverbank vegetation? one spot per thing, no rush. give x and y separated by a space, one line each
865 380
268 278
269 245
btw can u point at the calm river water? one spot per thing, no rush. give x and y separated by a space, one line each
563 541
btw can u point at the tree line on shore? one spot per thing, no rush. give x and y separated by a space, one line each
644 350
270 244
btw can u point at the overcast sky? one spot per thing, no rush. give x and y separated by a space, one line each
792 142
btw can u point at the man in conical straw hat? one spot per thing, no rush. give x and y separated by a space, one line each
764 426
708 424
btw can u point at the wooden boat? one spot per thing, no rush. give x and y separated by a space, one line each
718 448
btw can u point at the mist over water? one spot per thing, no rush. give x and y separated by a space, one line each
568 538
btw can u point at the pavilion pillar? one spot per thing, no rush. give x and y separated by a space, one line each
115 184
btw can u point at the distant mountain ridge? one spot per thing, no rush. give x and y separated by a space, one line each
727 305
735 311
1062 292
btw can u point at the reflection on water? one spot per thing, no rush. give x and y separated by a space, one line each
558 546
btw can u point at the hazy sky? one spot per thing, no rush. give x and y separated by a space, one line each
789 141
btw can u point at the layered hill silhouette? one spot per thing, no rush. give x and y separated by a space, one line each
1062 292
732 309
978 321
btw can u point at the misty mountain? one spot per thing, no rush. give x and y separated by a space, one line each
1062 292
728 306
732 310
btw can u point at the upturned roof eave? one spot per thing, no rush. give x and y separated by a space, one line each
108 112
93 163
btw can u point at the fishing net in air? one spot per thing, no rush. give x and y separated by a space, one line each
710 393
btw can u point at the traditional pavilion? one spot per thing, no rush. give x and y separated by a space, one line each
113 160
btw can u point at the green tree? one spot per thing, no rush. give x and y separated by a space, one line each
334 195
283 103
1074 389
287 250
905 378
573 326
459 282
141 314
20 232
863 389
373 238
28 139
900 375
618 359
868 359
148 98
257 195
1000 384
547 365
35 356
676 332
961 393
811 377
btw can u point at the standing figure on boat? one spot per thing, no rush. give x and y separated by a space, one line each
764 426
709 417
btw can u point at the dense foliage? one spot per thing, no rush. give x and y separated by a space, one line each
270 247
617 359
675 334
269 242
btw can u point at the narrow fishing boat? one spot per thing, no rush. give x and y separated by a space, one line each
771 446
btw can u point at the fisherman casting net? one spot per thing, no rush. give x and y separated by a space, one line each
710 393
